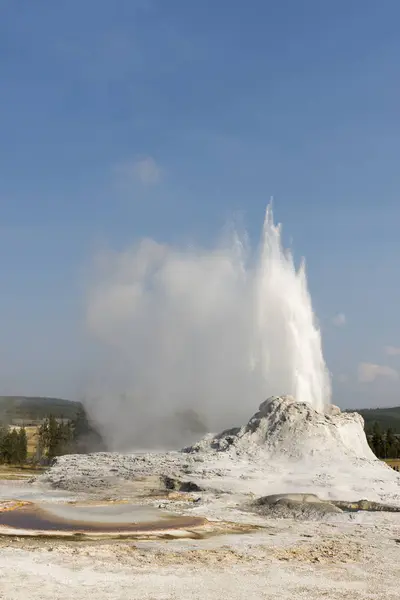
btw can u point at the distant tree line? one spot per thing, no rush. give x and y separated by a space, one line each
55 438
384 444
72 437
13 446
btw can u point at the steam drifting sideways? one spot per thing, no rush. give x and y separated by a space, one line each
195 333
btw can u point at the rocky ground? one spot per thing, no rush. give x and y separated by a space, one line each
285 447
300 546
286 560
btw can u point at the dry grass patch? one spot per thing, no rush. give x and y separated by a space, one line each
393 462
15 473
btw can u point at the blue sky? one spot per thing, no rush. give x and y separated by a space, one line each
140 118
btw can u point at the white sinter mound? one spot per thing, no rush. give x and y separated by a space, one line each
286 447
284 428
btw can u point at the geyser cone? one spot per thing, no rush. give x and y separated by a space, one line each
286 447
285 429
211 330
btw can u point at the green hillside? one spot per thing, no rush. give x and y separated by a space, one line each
386 417
33 408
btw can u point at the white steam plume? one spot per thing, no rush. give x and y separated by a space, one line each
214 331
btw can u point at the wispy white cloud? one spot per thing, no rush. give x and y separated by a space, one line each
392 350
145 171
368 372
339 320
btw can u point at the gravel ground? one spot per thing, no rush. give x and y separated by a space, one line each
285 448
288 560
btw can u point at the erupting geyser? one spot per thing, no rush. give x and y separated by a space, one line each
215 330
284 308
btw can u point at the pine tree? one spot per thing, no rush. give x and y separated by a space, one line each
43 437
6 448
81 424
22 446
377 441
48 437
396 447
390 442
14 446
65 438
3 433
85 437
9 447
55 439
